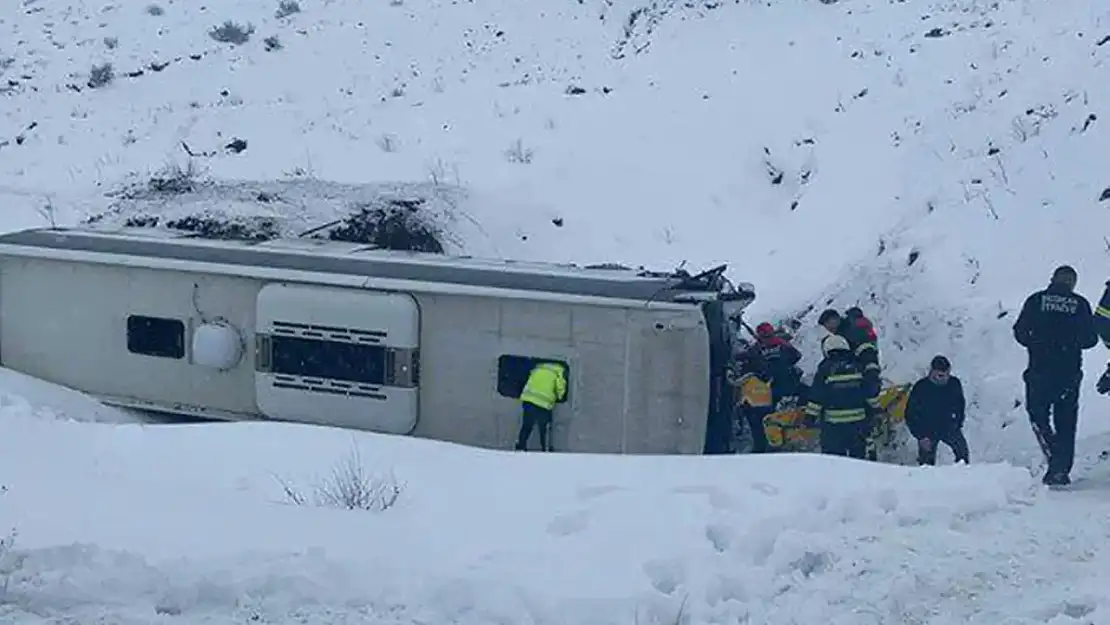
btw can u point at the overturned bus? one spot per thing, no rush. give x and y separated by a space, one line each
346 335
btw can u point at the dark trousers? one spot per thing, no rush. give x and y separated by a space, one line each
1052 401
955 440
754 417
845 439
532 416
781 389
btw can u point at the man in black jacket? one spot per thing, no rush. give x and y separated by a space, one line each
838 401
1102 324
935 413
1055 326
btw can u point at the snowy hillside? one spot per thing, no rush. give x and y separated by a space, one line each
931 162
947 154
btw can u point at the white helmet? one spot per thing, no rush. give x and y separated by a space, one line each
832 343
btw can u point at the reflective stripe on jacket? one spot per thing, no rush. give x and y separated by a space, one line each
547 386
1102 316
839 393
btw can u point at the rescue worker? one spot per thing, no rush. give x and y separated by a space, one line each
1102 324
778 361
546 386
862 340
753 394
838 402
1055 326
829 320
935 413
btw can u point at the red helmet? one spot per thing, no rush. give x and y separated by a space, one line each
764 329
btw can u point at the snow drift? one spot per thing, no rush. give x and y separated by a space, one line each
491 537
930 162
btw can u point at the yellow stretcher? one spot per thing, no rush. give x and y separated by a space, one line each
786 429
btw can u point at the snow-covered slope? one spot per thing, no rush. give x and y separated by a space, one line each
23 395
931 161
141 525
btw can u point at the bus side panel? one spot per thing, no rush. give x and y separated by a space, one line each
84 325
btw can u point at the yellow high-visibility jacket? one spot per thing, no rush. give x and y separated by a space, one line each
546 386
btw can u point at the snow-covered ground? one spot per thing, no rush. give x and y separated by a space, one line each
930 161
137 524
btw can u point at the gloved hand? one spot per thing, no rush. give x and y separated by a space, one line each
1103 385
811 418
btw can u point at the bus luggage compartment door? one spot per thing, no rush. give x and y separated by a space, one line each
339 357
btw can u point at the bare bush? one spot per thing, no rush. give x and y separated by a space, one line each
440 173
49 213
287 8
300 173
111 42
1020 129
518 153
212 227
101 76
680 617
387 142
399 224
174 179
272 43
10 561
155 10
230 32
350 486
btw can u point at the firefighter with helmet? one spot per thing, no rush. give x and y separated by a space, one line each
1102 325
839 401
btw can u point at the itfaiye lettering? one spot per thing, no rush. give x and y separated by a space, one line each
1059 304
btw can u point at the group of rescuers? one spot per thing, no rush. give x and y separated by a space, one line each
843 399
1055 325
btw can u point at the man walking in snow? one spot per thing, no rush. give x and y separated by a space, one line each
935 413
1055 326
1102 324
838 402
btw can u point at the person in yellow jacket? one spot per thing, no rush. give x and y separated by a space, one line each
547 386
